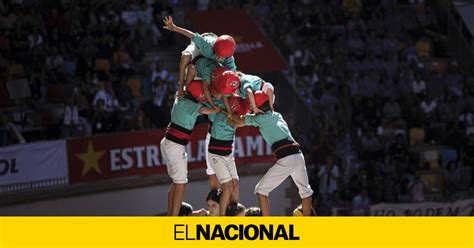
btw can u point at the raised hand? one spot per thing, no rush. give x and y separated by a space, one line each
168 21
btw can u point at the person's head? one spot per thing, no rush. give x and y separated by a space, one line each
224 47
298 211
213 198
228 82
186 209
235 209
195 89
261 100
253 211
216 74
238 105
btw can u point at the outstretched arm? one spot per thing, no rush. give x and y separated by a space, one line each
253 105
183 63
233 123
209 111
168 21
207 93
236 121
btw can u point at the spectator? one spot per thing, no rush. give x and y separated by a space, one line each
100 120
253 211
399 150
418 85
449 109
370 145
124 95
467 116
361 204
186 209
158 72
83 105
417 188
106 94
453 178
328 178
71 119
235 209
35 39
140 121
55 62
428 106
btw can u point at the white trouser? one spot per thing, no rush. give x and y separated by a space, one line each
292 165
224 167
192 50
176 159
268 86
209 170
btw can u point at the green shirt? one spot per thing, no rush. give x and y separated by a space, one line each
205 67
220 129
272 126
205 46
185 112
249 81
218 103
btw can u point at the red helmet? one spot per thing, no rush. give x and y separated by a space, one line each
195 89
216 74
239 105
224 46
260 98
228 82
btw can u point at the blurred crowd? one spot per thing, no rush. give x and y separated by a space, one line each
393 109
86 66
397 108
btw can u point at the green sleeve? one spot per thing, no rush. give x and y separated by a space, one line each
250 120
230 63
205 67
212 117
243 88
204 45
193 108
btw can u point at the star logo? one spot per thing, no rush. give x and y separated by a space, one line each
90 159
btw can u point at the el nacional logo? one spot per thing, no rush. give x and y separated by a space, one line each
235 232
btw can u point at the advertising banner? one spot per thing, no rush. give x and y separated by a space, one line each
138 153
33 162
